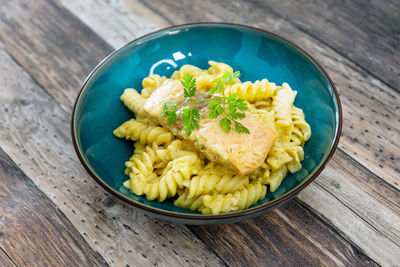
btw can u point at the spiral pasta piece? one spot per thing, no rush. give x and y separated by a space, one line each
187 202
282 105
140 168
276 177
278 156
194 71
141 162
230 184
253 92
151 83
163 166
297 155
173 151
204 182
204 81
302 129
263 104
242 199
218 67
176 175
144 133
164 187
134 102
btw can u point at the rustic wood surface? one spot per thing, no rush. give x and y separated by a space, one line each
350 215
30 217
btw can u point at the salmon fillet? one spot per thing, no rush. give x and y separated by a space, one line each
242 152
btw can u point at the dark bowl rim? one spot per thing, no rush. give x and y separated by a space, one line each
226 216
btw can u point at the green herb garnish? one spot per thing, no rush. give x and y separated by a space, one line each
230 107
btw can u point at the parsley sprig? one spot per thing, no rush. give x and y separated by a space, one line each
231 108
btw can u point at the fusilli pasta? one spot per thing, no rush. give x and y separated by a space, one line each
134 102
253 92
144 133
163 166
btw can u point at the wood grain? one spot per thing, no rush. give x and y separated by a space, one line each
34 132
370 135
303 236
359 93
33 232
366 33
129 21
288 236
335 197
59 59
5 259
105 222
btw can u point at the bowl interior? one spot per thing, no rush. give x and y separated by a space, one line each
254 53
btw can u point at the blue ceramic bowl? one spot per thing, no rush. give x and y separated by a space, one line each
254 52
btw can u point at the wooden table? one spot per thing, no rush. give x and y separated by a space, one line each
52 213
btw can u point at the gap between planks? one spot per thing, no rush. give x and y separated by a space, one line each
363 125
5 259
40 123
344 66
32 230
346 28
33 133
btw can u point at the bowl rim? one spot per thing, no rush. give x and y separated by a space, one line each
205 217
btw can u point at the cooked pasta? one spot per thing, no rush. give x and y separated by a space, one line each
151 83
165 166
239 200
204 182
174 176
134 102
144 133
253 92
282 105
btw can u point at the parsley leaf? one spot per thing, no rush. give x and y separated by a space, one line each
237 115
240 128
230 106
241 105
216 109
169 110
190 117
189 85
218 87
172 117
225 124
229 77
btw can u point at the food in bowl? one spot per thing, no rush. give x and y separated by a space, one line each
209 140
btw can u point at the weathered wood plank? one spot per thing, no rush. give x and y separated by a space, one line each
5 259
357 103
33 232
371 130
366 32
34 132
288 236
57 63
322 193
91 210
356 210
125 26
